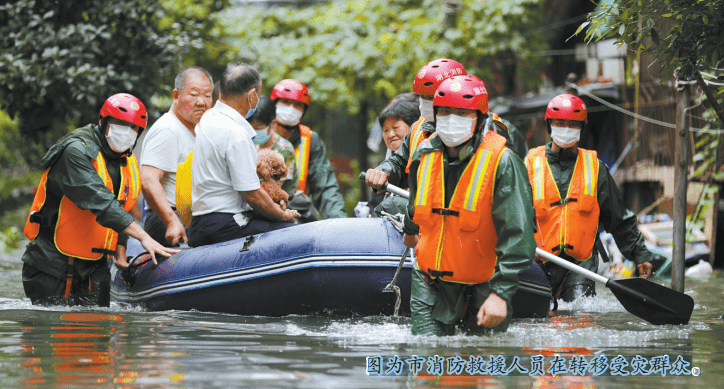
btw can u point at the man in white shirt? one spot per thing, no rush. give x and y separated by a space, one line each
167 144
225 185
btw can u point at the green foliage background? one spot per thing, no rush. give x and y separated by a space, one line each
352 52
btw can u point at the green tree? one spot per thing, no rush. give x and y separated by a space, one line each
679 33
61 59
686 39
352 52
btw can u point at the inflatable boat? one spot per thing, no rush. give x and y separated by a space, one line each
338 266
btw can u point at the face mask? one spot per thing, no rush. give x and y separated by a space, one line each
120 138
454 130
288 115
565 137
426 110
251 110
261 136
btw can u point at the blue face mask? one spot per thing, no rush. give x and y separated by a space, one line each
251 110
261 136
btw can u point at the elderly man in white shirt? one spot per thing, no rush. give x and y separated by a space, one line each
167 144
225 185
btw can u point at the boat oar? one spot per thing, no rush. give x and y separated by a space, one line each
648 300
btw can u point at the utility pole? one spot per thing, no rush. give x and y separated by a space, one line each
681 170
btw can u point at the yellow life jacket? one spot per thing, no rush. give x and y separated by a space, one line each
184 185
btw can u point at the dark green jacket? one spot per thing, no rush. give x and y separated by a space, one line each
73 175
614 217
323 186
517 140
512 210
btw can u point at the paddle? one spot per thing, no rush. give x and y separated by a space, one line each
648 300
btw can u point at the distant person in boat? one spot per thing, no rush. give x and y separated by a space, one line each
166 145
470 216
80 216
573 192
316 176
395 120
225 184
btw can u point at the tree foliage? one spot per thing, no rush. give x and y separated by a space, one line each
351 52
679 33
61 59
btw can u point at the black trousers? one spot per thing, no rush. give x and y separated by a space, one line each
221 227
44 289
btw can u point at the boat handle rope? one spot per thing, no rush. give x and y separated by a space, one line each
395 288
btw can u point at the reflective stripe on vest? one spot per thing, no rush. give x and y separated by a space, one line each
417 135
77 233
457 244
301 152
567 225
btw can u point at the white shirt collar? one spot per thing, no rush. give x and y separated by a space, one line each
235 116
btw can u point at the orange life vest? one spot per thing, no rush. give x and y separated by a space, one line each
77 233
301 152
417 135
457 244
569 224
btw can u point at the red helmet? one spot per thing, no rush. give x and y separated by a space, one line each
462 92
125 107
432 74
568 107
292 90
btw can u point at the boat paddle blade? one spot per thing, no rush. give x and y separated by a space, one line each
652 302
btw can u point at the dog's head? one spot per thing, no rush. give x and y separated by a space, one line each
270 165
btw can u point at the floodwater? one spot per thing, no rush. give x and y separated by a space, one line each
128 347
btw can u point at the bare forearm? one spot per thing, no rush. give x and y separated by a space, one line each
262 203
135 230
155 196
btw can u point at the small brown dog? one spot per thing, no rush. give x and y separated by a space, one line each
271 169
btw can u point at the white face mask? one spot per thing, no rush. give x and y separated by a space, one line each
288 115
426 110
565 137
454 130
120 138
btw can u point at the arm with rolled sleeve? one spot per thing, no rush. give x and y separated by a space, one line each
513 218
